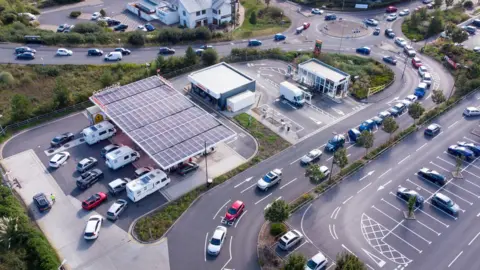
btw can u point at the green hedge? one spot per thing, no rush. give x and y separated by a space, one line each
277 229
300 200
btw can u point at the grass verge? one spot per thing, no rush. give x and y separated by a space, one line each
156 224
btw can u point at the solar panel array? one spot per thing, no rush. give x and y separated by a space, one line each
162 121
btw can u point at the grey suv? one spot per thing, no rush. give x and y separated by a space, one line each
86 163
116 209
445 203
118 185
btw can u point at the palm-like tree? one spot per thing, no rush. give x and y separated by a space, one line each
8 231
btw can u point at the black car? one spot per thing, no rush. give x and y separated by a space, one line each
204 47
109 148
390 60
166 50
123 51
432 176
120 27
85 180
113 22
41 201
432 130
95 52
61 139
461 152
393 112
376 32
26 56
405 194
389 33
19 50
400 107
186 168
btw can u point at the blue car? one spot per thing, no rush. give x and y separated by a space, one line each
330 17
470 146
26 56
149 27
279 36
363 50
461 152
367 125
378 120
254 42
353 134
335 143
393 112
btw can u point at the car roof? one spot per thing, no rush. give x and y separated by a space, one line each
472 108
217 234
92 222
442 196
318 258
237 204
117 204
116 182
57 156
85 160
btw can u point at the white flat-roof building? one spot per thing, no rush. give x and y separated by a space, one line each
162 10
220 82
324 78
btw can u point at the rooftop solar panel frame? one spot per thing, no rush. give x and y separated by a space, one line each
160 120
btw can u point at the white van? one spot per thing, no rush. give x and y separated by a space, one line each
98 132
121 157
146 185
113 56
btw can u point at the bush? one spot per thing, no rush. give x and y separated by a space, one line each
277 229
75 14
136 38
88 27
6 78
468 4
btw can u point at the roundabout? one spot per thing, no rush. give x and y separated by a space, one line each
344 29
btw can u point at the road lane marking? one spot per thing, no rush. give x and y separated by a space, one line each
367 175
335 212
296 160
288 183
403 159
304 242
456 122
428 227
455 259
421 147
220 209
384 173
446 161
344 202
350 146
420 187
474 239
248 188
230 249
364 187
205 247
334 232
349 250
246 180
329 158
472 174
374 258
330 230
418 235
240 218
466 138
263 198
301 225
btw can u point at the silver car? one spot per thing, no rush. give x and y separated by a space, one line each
116 209
216 242
270 179
312 156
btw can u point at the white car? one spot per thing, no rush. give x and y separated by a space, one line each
471 111
427 78
312 156
92 229
372 22
104 19
96 16
317 262
216 242
422 70
28 15
400 41
64 52
406 102
476 49
404 12
317 11
58 160
270 179
290 239
325 171
411 98
392 17
142 28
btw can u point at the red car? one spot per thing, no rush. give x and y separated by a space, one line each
416 62
306 25
94 201
235 211
391 9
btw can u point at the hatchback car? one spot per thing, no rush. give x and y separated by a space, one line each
116 209
411 98
149 27
367 125
400 42
64 52
317 262
61 139
312 156
216 242
166 50
317 11
279 37
461 152
404 12
392 17
416 62
400 107
123 51
24 49
378 121
25 56
432 176
371 22
41 201
235 211
113 22
445 203
475 148
390 60
471 111
142 171
96 16
86 163
94 201
391 9
118 185
422 70
427 78
384 115
393 112
254 42
376 32
62 27
58 159
389 33
405 194
290 239
432 130
363 50
94 52
335 143
92 229
120 27
306 25
186 168
270 179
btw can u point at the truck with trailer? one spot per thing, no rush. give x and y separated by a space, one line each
146 185
292 94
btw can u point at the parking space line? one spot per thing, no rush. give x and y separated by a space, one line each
421 188
263 198
439 166
455 218
220 209
446 161
304 242
390 203
454 194
455 259
403 240
398 224
466 138
418 235
466 190
470 182
329 158
472 174
403 159
288 183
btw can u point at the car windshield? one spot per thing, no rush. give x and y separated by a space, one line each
215 241
232 211
311 154
268 178
57 139
311 264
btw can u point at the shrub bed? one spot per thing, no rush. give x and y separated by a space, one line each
75 14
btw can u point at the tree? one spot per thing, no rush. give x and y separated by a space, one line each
8 232
295 261
209 57
103 13
436 26
160 62
458 35
411 205
20 107
136 38
190 57
267 2
277 212
438 3
449 3
365 140
414 19
390 126
314 173
348 261
458 165
438 96
253 18
61 95
415 111
6 78
106 79
468 4
340 158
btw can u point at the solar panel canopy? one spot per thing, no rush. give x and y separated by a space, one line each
163 122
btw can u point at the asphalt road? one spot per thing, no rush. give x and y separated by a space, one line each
362 215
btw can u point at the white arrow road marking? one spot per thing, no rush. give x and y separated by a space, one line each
338 111
315 120
376 259
383 186
367 175
246 180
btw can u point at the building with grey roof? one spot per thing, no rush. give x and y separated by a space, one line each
195 13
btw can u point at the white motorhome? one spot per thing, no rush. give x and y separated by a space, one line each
98 132
146 185
292 93
121 157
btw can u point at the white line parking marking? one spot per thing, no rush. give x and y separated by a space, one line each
344 202
398 224
349 250
263 198
466 138
439 166
420 187
428 228
329 158
466 190
240 218
288 183
455 258
364 187
455 218
403 159
474 238
472 174
434 218
390 203
446 161
220 209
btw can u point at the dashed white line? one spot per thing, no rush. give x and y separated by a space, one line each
421 147
248 188
263 198
455 259
384 173
403 159
474 238
329 158
288 183
220 209
364 187
453 124
344 202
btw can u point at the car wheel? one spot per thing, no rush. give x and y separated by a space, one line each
265 189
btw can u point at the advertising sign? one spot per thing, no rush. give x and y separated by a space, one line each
318 47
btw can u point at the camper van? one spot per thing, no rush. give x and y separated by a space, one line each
121 157
98 132
146 185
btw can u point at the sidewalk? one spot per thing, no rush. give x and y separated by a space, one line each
64 224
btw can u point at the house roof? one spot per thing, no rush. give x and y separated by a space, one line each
198 5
